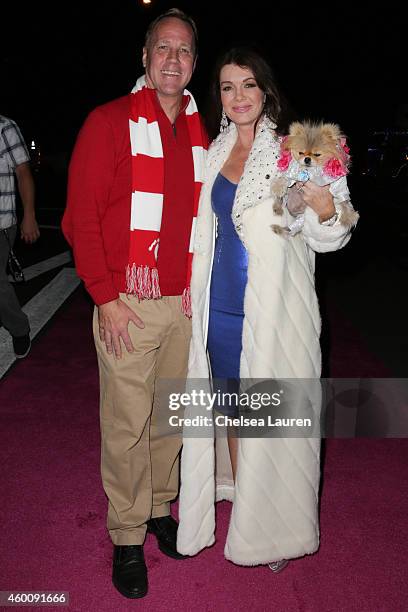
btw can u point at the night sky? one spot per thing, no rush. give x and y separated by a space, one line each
341 64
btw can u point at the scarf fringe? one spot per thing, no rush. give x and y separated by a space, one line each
143 282
186 302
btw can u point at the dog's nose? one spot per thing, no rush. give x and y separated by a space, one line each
308 161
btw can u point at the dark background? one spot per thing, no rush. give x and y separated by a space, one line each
343 62
339 62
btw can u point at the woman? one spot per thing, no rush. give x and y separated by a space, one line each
255 309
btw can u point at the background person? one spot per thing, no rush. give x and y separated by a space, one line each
14 164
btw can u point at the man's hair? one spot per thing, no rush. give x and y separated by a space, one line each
177 14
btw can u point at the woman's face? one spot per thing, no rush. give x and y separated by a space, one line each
241 97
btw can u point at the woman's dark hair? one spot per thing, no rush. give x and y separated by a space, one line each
246 57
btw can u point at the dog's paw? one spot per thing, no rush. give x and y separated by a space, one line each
348 216
279 230
279 186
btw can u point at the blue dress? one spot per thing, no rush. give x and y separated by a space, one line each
228 282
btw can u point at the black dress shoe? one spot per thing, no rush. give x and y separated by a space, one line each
129 574
21 345
165 530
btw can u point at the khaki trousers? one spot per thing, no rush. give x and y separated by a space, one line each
140 469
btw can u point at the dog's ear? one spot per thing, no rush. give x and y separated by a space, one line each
296 129
296 134
331 131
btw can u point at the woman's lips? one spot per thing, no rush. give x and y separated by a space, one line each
241 109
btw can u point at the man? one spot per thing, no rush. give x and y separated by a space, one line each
134 182
14 163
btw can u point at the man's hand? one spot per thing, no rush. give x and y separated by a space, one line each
114 320
318 198
29 229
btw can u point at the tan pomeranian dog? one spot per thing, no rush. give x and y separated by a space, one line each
317 152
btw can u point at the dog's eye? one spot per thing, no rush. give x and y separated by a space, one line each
316 154
301 153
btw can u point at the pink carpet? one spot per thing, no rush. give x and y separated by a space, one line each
53 507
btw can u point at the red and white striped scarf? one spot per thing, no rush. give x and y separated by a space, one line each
142 277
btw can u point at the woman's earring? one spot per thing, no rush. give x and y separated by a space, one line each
224 121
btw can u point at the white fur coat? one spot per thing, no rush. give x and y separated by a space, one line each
275 498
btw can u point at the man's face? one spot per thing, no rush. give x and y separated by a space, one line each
169 59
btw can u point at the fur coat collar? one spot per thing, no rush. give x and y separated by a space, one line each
260 167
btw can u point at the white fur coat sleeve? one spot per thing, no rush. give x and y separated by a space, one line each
322 238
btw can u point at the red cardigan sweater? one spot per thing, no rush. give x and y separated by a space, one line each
97 219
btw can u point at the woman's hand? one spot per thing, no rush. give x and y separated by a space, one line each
318 198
